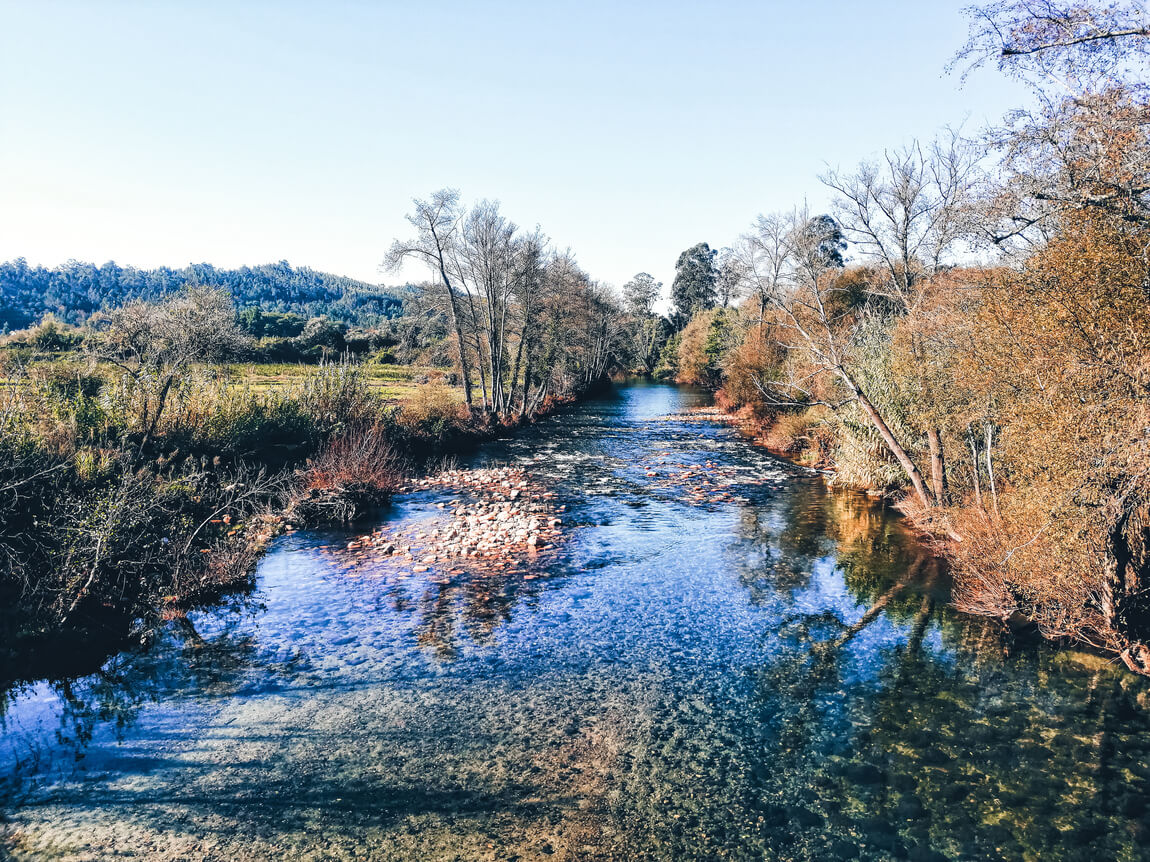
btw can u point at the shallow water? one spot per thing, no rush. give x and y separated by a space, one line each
751 669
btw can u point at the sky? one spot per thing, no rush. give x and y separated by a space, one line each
243 132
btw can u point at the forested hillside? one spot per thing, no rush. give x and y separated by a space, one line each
75 290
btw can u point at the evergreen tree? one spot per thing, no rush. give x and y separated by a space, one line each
694 286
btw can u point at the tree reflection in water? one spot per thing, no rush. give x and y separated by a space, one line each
173 659
940 751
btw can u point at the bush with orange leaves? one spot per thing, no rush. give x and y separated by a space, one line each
1046 375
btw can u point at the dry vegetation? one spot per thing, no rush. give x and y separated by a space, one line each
1007 407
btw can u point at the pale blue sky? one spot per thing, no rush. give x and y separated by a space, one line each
244 132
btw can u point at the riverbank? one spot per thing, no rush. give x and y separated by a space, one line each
797 439
108 530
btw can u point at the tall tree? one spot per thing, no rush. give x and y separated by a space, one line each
814 323
641 293
694 286
436 221
647 328
1059 40
906 213
767 254
732 277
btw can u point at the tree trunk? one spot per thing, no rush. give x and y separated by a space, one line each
937 466
458 327
990 471
974 470
888 437
161 400
518 362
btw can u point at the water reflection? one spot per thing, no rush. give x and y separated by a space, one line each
723 661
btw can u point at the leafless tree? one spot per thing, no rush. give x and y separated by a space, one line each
766 251
811 321
1085 145
530 284
436 222
526 319
1073 42
733 277
908 210
484 261
906 213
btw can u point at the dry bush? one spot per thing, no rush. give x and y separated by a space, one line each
337 397
693 361
1046 573
750 368
353 471
791 433
432 412
226 566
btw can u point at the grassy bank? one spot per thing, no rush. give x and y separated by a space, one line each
117 512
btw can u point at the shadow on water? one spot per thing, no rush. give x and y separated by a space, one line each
721 660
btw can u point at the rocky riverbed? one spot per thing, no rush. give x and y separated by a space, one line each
495 519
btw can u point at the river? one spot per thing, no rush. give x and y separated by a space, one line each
721 659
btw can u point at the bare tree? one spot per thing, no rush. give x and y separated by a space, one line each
906 213
436 221
485 261
1058 40
813 322
908 210
1084 146
531 257
527 321
732 278
766 251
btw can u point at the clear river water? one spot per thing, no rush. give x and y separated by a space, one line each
721 659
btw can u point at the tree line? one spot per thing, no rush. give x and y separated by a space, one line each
525 323
76 290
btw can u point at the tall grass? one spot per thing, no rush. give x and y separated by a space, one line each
100 519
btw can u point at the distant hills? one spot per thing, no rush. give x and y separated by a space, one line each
75 290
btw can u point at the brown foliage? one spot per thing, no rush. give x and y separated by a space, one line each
357 469
433 411
1058 361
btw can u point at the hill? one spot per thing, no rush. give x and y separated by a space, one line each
76 290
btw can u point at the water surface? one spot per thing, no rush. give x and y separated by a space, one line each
723 659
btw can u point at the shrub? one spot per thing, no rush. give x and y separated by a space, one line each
337 397
353 471
749 368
